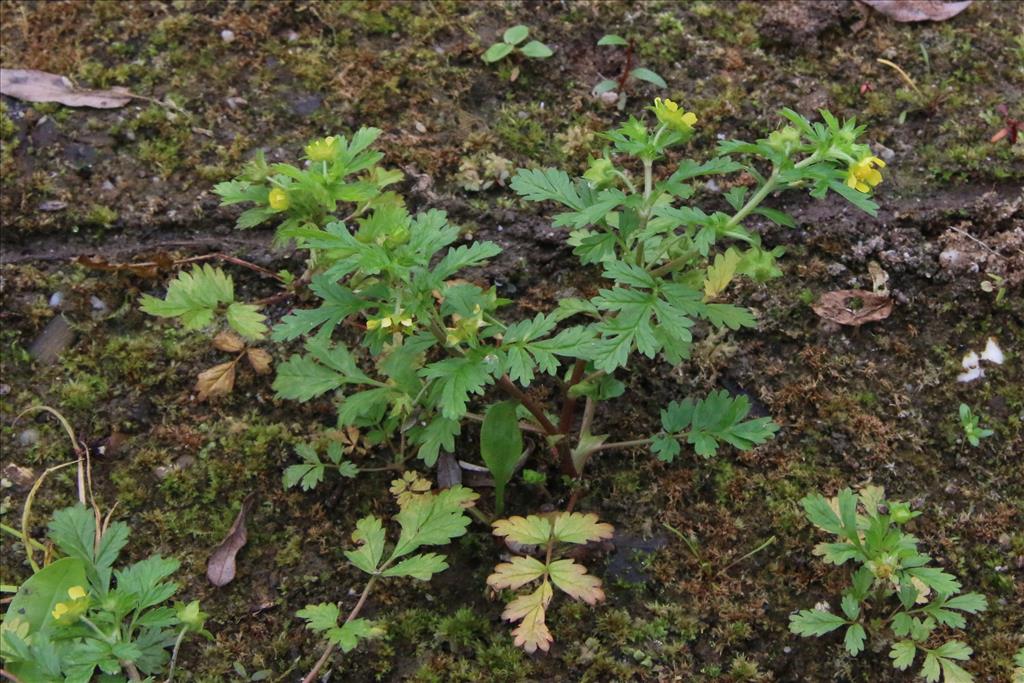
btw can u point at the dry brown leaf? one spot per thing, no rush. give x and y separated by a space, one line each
259 360
879 278
853 307
228 341
220 569
918 10
41 86
448 471
217 381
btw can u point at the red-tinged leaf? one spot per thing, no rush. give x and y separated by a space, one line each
576 527
532 530
516 573
573 579
532 633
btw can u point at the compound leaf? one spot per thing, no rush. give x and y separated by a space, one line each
369 535
532 632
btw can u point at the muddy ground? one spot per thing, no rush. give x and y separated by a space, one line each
877 403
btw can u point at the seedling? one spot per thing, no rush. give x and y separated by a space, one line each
425 518
629 72
869 530
969 422
510 44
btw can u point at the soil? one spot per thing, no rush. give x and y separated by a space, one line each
875 404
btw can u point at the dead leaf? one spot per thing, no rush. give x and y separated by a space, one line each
228 341
217 381
918 10
41 86
259 360
19 476
853 307
220 569
448 471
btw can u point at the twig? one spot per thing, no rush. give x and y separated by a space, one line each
174 654
972 237
230 259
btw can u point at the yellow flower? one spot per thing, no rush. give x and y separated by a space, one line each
322 150
862 175
69 612
669 113
278 199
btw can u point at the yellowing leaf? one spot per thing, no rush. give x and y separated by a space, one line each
217 381
259 360
229 342
518 572
532 530
720 274
532 633
576 527
573 579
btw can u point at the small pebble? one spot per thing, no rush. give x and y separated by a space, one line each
227 36
28 437
291 36
97 303
610 97
56 299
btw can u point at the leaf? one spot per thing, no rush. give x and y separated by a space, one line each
464 257
348 635
501 446
515 34
776 216
143 581
531 530
497 52
438 434
612 39
369 535
813 622
37 596
536 50
918 10
647 75
421 567
607 85
216 381
433 519
532 632
854 639
902 654
228 342
31 85
320 617
953 649
546 184
953 673
323 368
260 360
220 569
821 514
968 602
721 273
576 527
853 307
719 417
516 573
246 320
727 315
458 378
850 606
936 579
573 579
193 297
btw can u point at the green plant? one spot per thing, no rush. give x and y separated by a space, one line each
869 531
509 44
548 534
405 340
969 422
629 72
1018 670
79 614
425 518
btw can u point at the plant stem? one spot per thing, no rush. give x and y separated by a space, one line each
621 444
230 259
311 676
174 654
569 401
